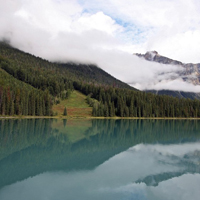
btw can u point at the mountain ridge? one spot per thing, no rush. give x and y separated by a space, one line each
55 82
190 72
70 68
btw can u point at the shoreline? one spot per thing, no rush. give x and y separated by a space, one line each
87 117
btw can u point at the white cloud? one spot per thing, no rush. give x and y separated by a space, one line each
176 85
107 33
185 45
170 27
98 21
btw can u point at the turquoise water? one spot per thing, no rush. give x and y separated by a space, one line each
49 159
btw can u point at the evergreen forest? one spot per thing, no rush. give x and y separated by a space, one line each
30 86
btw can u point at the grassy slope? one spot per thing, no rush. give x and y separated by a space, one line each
76 106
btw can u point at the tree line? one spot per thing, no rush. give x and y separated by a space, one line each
30 86
127 103
23 102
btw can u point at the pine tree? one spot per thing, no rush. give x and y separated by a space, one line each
94 110
11 108
65 112
131 111
106 110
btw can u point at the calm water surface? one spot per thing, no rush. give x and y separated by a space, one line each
46 159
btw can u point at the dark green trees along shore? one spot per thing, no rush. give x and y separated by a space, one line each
30 86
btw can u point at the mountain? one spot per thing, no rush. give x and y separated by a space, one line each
92 73
30 86
190 72
72 71
154 56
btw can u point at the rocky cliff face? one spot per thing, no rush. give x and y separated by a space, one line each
191 72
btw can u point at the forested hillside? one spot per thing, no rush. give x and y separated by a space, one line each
43 82
128 103
30 86
19 98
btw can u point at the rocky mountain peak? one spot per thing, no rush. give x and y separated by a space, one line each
149 55
154 56
189 73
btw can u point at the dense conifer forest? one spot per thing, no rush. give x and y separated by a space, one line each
127 103
30 86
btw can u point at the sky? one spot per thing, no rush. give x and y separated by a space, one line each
107 33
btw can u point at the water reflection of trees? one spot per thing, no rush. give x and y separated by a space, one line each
18 134
32 146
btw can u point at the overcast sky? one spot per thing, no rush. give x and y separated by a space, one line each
107 33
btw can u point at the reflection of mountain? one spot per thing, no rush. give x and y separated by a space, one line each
31 147
190 163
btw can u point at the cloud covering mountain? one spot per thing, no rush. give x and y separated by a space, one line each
106 33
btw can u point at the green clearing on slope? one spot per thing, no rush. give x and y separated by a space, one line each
76 106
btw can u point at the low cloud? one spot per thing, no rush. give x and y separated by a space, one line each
92 33
175 85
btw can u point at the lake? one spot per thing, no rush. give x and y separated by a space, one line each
51 159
